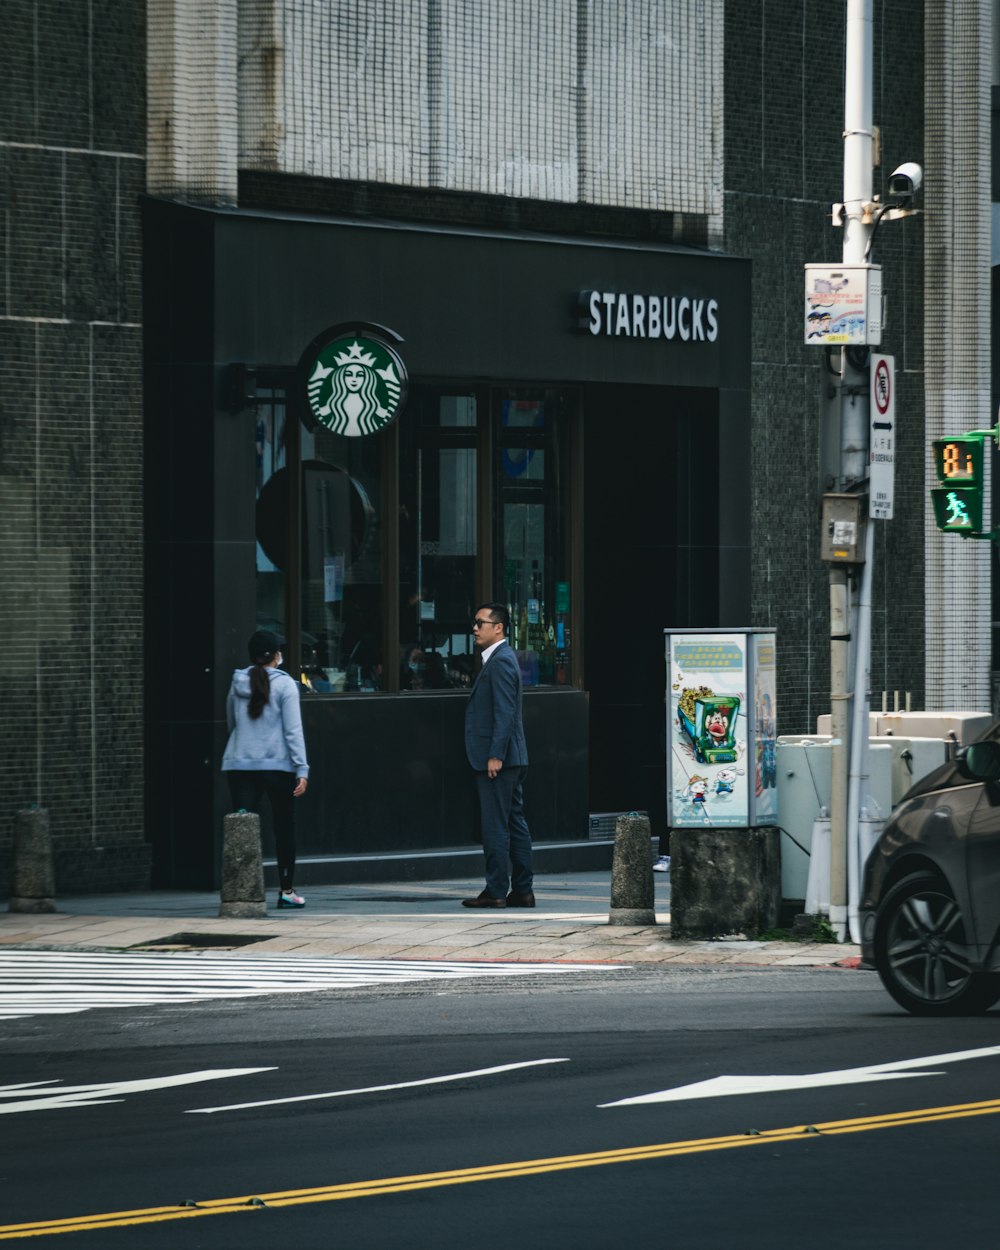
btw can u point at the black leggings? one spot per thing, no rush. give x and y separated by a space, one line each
247 788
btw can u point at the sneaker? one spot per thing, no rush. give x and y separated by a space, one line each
662 864
288 898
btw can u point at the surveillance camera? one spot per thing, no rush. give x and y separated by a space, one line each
905 181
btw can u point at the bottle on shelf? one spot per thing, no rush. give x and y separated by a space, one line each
547 659
534 605
562 655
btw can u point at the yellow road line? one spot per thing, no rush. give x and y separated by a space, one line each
498 1171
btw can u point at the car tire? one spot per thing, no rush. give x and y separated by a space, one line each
921 951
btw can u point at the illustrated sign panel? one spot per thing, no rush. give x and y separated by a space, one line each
843 305
721 728
764 728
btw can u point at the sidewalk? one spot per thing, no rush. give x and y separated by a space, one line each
404 920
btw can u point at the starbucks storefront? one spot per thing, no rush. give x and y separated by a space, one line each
358 431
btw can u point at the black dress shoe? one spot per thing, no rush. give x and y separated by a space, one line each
484 900
521 900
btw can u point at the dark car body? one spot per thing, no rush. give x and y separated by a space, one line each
930 897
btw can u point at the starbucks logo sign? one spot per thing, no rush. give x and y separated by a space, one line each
355 383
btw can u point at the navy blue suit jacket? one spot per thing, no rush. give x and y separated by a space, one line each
493 724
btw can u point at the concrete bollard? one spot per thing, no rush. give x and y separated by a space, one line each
724 881
34 885
632 897
242 892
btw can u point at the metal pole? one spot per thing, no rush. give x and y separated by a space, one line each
839 731
859 736
854 428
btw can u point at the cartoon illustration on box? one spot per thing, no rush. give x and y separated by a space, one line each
696 793
766 768
709 721
725 782
766 764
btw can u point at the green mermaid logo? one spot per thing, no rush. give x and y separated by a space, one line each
355 386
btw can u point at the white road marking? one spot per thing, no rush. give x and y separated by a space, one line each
58 982
722 1086
378 1089
40 1096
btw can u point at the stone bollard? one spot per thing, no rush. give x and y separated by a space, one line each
242 867
34 885
632 898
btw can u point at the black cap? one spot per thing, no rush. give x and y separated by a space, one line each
263 645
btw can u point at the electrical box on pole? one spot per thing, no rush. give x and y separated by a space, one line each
842 528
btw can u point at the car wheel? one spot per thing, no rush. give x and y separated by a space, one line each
921 952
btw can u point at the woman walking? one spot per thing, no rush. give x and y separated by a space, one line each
266 752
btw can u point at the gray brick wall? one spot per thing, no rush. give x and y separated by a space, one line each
784 109
72 141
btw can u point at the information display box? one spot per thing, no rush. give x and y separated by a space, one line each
721 729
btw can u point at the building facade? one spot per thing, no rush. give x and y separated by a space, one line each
73 169
580 227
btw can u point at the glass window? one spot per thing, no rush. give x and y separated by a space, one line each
338 592
341 597
483 495
532 537
272 508
438 545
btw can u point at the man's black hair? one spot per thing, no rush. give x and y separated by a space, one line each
498 614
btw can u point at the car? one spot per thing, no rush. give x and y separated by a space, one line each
930 897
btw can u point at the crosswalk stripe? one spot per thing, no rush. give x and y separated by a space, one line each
63 982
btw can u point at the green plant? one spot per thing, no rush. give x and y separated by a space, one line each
822 931
806 929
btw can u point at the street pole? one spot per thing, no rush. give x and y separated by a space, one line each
839 732
845 790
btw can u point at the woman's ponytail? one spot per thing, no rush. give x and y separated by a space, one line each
260 690
263 648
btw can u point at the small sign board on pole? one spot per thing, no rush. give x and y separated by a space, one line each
843 305
882 438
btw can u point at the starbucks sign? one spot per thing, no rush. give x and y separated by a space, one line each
354 381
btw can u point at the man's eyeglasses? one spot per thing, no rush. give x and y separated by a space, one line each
483 620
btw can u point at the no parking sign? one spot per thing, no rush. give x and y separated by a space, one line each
882 438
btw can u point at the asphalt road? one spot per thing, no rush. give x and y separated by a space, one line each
495 1099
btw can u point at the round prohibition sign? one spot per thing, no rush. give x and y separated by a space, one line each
882 387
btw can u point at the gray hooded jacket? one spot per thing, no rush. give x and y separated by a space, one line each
273 742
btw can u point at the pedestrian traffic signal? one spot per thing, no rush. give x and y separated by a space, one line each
958 500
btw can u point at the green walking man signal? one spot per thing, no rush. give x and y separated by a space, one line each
958 500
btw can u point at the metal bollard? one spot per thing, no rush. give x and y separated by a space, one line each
242 867
632 897
34 885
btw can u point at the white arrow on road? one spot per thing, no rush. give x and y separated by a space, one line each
380 1089
40 1096
722 1086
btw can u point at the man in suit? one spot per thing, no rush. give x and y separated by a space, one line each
494 743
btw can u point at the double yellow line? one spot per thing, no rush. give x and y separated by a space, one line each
499 1171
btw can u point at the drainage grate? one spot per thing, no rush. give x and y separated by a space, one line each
201 941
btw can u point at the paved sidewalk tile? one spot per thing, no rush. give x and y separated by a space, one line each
381 950
406 921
